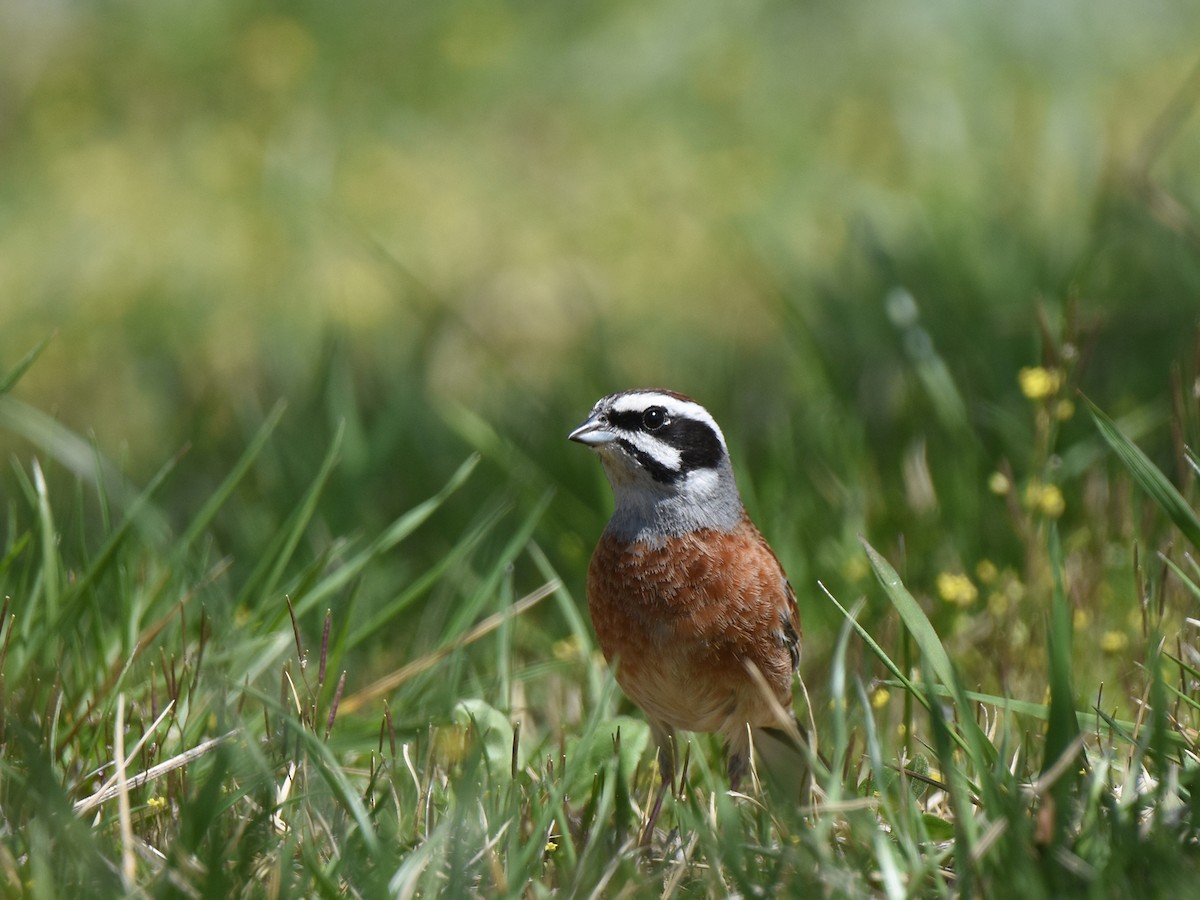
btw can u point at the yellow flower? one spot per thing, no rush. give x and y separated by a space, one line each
997 604
956 588
1081 619
1051 502
1046 499
1014 590
1018 634
880 698
998 484
1038 383
1114 641
1063 410
566 649
986 571
551 846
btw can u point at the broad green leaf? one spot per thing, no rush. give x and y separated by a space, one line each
938 828
494 730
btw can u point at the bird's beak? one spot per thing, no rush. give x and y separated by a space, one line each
594 432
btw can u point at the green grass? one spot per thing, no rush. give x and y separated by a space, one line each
303 722
288 521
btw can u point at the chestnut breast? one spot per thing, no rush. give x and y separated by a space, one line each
682 620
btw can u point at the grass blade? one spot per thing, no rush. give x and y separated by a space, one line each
393 535
9 381
1039 711
76 454
934 656
913 616
902 680
265 577
466 611
205 516
1183 576
1148 476
1063 726
425 582
104 558
965 828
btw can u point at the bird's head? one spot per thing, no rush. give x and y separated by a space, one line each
666 459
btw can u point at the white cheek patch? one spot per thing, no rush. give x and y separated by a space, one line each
663 454
702 482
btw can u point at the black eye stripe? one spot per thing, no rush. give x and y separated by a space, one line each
657 470
626 420
697 443
650 419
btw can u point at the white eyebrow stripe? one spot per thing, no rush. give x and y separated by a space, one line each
636 401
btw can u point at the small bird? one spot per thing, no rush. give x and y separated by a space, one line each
688 600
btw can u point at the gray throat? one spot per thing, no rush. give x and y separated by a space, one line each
704 499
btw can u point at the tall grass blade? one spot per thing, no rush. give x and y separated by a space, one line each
10 379
76 454
51 569
913 616
335 777
1148 476
425 582
1159 743
109 551
400 529
902 680
466 612
265 579
1184 578
204 517
839 700
17 547
1062 729
581 632
937 660
965 827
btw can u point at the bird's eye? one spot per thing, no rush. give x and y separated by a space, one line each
654 418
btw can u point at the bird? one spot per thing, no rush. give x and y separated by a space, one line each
688 601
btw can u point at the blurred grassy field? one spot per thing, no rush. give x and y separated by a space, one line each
884 246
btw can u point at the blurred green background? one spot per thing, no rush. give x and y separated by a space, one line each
453 226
